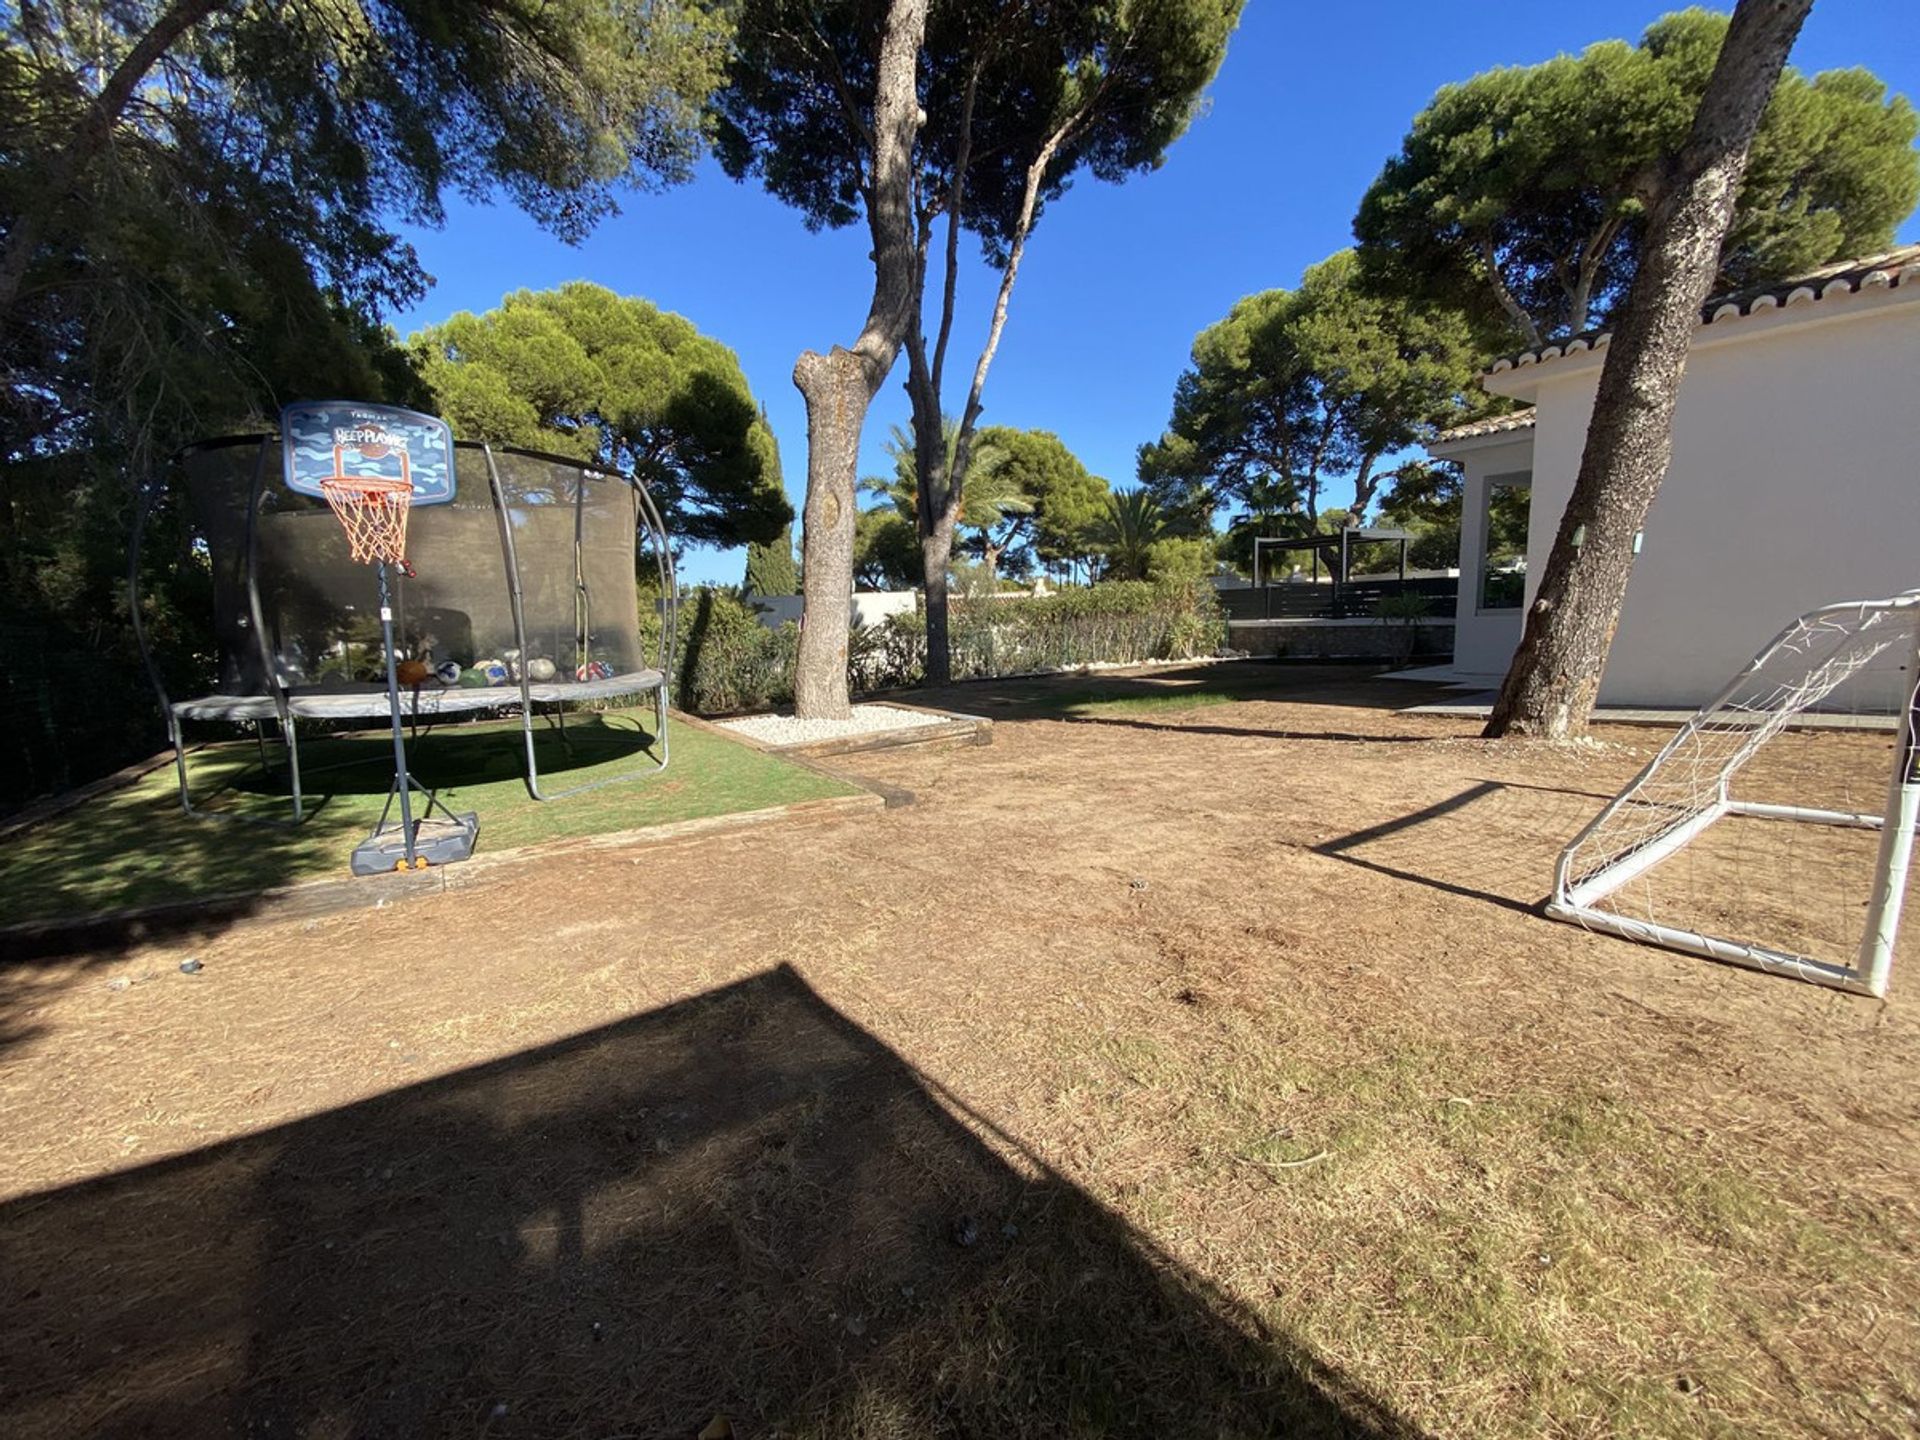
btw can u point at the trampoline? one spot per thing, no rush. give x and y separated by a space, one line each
524 599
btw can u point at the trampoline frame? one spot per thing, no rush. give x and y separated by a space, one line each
285 707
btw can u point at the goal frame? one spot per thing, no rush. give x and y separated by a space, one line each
1871 967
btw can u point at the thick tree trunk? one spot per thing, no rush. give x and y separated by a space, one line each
89 138
1555 676
840 385
837 393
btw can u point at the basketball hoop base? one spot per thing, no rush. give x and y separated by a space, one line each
438 842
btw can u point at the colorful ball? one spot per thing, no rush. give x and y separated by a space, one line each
494 671
447 672
594 670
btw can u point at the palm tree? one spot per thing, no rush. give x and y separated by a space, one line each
992 497
1126 534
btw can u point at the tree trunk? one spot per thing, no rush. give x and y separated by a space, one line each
1364 484
840 386
940 505
837 395
1515 311
932 522
936 554
1551 687
89 138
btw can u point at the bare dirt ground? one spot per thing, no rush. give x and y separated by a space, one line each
1161 1071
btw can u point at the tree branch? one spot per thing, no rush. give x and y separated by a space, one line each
89 138
837 77
956 201
1023 227
1516 312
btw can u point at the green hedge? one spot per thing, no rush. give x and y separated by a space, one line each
729 661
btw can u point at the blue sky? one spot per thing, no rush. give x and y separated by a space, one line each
1117 279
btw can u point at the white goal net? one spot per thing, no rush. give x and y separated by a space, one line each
1774 830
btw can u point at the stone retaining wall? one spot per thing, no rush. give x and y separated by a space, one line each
1344 639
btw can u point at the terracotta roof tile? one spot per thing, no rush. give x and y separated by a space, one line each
1899 267
1494 425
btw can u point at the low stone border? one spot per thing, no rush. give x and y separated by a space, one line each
36 939
955 728
883 696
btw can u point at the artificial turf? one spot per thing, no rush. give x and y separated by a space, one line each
134 846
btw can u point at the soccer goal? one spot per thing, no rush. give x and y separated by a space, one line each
1775 829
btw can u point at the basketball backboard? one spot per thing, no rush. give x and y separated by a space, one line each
321 439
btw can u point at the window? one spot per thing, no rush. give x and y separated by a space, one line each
1503 549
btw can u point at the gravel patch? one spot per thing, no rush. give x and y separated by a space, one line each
865 720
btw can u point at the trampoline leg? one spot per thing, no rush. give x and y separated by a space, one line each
292 738
533 767
179 760
660 713
177 733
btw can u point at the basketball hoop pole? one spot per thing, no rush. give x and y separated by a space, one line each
400 780
343 452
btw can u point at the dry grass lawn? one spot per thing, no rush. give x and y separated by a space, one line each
1168 1069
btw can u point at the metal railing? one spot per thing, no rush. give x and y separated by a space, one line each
1356 599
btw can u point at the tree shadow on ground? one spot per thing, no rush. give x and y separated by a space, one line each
1243 732
741 1204
1288 682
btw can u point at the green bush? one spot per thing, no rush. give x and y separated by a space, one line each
1406 608
1116 622
1182 559
728 660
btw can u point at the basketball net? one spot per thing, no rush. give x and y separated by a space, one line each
373 512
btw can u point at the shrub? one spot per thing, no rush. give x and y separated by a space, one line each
1185 559
1115 622
1407 608
728 660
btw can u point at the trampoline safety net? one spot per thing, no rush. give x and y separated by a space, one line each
310 622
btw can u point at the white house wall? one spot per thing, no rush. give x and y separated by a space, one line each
1795 482
867 607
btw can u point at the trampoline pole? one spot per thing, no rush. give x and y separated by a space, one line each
400 780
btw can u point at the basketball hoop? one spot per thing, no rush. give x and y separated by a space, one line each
373 512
